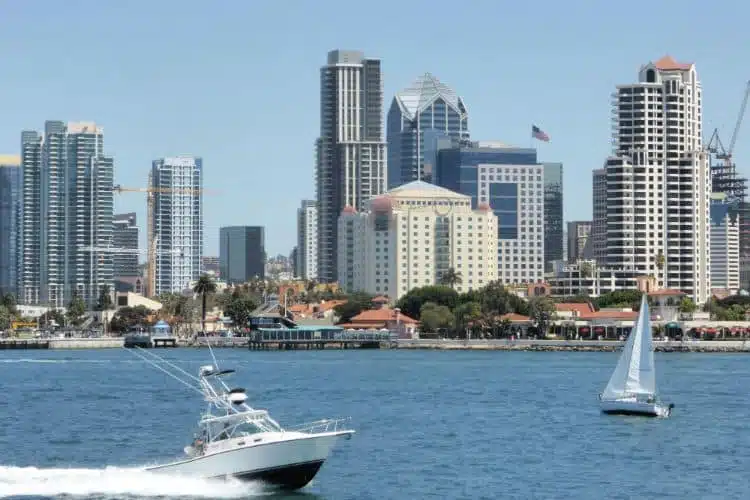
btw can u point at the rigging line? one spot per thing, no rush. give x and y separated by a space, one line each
156 356
155 365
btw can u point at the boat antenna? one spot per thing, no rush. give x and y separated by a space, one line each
210 349
156 365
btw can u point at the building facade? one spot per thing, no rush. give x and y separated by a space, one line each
125 236
306 258
210 265
599 222
351 150
11 183
67 214
177 222
579 241
587 278
513 183
242 253
658 182
725 244
418 116
412 236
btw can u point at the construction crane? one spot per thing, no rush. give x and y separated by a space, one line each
150 230
716 147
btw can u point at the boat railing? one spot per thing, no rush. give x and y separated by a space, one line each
319 426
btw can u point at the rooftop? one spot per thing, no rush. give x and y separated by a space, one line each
423 190
667 63
10 160
423 92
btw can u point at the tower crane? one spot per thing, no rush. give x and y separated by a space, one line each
152 237
716 147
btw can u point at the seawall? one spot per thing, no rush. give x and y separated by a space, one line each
572 345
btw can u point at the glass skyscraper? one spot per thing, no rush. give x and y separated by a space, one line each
525 195
242 253
420 116
10 213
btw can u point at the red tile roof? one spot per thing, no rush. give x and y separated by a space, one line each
667 63
515 318
616 315
578 309
383 314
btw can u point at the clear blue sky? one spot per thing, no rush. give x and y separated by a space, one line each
237 81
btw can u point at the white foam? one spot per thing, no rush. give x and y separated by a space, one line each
31 481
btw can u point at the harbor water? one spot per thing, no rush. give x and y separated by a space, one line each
430 424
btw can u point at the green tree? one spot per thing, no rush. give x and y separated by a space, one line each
127 318
687 305
466 313
240 308
204 287
76 310
5 317
8 300
355 304
542 312
434 317
411 303
586 269
451 278
619 298
104 303
51 318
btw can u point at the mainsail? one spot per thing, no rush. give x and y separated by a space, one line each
634 373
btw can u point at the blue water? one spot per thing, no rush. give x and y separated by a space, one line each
430 424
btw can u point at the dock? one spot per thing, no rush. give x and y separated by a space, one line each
164 341
317 337
24 344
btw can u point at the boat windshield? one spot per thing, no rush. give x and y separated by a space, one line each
219 430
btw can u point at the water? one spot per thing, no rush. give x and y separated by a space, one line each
430 424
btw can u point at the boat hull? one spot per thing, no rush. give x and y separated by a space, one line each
287 464
636 408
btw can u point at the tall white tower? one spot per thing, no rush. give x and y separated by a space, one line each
658 181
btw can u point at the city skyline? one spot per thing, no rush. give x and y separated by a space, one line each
154 114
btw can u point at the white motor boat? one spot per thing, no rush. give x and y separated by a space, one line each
235 440
632 388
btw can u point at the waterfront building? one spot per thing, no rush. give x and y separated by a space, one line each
306 258
125 236
418 116
177 222
242 253
412 236
599 222
525 195
351 151
579 241
67 214
658 181
11 183
725 244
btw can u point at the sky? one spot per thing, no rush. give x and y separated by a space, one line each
237 82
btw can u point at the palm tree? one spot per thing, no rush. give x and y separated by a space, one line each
451 278
204 287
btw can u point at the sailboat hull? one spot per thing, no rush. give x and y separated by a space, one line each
636 408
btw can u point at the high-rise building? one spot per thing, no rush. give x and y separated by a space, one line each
579 241
177 222
412 236
418 116
599 223
351 151
242 253
125 236
658 182
67 214
210 265
725 244
518 188
307 240
10 218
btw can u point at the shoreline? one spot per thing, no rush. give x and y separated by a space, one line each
702 346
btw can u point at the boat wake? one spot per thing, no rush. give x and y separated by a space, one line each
116 482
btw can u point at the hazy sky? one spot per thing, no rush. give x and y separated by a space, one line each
237 82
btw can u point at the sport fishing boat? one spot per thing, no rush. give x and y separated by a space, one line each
235 440
631 389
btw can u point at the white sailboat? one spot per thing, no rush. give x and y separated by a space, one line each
632 388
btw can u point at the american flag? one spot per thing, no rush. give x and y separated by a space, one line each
538 134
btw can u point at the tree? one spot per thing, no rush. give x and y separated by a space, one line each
127 318
586 269
355 304
451 278
240 307
660 260
105 299
8 301
619 298
5 317
687 305
411 303
51 318
76 310
434 317
466 313
541 311
204 287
